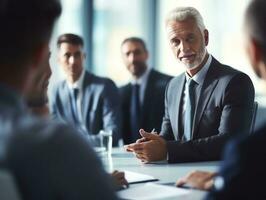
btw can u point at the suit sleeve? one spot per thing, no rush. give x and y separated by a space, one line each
235 116
243 170
111 110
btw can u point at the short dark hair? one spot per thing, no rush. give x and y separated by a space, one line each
255 19
26 24
70 38
135 39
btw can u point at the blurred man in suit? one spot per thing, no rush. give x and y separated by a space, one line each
143 108
242 174
83 99
37 100
48 160
205 106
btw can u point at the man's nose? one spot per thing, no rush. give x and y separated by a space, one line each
131 57
71 60
184 46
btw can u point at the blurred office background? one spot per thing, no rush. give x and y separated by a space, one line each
105 23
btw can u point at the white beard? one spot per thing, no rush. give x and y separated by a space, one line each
199 59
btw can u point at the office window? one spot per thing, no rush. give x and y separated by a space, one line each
70 21
113 21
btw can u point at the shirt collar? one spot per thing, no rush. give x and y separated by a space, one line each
142 79
78 83
199 77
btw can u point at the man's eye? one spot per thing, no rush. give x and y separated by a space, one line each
67 55
191 39
175 43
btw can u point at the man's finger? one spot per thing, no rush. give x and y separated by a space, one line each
180 182
149 136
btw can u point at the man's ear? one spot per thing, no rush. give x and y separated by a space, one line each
254 52
147 55
40 55
206 37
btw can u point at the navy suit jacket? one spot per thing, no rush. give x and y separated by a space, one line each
152 108
243 169
100 106
224 108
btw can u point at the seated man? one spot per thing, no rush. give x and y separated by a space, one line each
205 106
48 160
83 99
37 102
142 98
242 173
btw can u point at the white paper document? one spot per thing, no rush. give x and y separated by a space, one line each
133 177
152 191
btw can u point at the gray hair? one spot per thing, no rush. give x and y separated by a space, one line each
184 13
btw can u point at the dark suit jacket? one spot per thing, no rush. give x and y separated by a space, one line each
152 108
100 106
224 108
243 169
48 160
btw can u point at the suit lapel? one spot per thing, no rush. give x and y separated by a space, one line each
87 97
207 89
177 99
66 100
147 97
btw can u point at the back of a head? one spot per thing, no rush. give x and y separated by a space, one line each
184 13
70 38
255 22
26 25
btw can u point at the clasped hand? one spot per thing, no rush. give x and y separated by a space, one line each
151 147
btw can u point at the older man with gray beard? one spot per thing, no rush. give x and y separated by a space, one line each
204 107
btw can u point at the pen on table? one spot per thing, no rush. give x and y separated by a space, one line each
153 130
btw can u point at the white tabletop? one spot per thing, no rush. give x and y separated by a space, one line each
122 160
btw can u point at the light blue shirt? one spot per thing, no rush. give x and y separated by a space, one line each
199 78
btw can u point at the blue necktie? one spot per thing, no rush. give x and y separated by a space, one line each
189 109
74 109
135 113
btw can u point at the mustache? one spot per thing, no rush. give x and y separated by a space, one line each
140 63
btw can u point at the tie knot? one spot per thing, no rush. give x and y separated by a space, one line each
191 83
75 92
135 87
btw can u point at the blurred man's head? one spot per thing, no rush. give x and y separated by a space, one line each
187 36
24 38
37 94
71 56
255 26
135 55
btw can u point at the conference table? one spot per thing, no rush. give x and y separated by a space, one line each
164 172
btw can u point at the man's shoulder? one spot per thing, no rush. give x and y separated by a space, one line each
177 79
160 75
248 146
97 80
125 87
95 85
59 86
37 132
224 69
